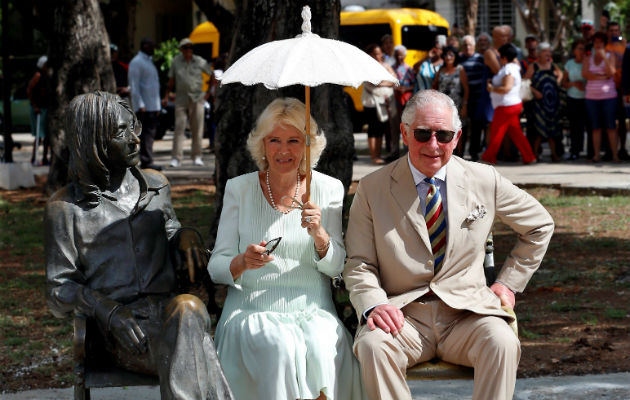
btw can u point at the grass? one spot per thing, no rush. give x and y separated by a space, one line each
577 284
616 313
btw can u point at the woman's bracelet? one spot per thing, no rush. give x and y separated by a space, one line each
324 247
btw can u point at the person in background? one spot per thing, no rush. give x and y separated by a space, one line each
601 96
279 336
380 104
492 59
477 123
403 92
185 76
587 29
604 21
510 35
144 84
120 72
617 46
387 47
625 79
574 83
426 69
483 43
504 89
37 93
531 43
453 41
545 86
452 80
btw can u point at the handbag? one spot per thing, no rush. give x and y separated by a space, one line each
526 91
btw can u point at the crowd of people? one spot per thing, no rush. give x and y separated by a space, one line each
496 85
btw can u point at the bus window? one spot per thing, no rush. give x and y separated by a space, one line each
363 35
421 37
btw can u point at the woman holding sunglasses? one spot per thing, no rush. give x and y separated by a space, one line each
504 89
279 336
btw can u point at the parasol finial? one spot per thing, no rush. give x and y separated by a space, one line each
306 16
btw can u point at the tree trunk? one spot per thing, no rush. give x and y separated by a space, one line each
238 106
472 9
120 22
79 62
528 10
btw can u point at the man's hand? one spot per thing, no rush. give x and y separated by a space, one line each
387 317
504 294
126 331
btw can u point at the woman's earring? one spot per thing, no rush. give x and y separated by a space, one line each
264 158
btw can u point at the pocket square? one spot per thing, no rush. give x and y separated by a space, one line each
477 213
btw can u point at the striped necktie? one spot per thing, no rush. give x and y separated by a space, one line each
436 224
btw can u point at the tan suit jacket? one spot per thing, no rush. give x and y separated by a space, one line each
389 257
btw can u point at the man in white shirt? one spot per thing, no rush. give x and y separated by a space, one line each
144 84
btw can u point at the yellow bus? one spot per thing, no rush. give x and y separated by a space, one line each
414 28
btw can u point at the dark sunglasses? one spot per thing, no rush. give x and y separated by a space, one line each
186 47
424 135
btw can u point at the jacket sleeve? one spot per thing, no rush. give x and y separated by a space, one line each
226 246
67 291
361 272
332 263
534 227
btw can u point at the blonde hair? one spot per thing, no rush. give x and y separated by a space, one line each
286 111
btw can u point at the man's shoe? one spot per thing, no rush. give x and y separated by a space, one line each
175 163
623 155
198 162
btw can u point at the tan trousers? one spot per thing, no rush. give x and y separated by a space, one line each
194 112
433 329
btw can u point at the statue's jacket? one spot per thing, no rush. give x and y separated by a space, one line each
104 251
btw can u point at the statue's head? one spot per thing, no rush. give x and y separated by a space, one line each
102 137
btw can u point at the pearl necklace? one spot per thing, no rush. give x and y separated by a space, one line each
273 203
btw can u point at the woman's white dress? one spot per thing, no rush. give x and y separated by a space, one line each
279 336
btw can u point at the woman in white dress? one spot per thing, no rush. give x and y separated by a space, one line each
279 336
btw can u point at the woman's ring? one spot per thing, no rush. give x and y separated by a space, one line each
308 220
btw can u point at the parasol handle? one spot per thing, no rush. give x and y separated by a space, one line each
307 95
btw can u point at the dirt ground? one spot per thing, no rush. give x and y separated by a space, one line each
573 317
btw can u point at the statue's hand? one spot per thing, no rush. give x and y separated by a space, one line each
192 254
126 331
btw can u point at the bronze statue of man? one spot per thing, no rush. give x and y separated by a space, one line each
109 236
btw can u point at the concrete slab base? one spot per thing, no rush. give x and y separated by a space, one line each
15 175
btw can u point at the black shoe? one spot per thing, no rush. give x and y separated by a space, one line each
607 157
573 157
152 166
623 155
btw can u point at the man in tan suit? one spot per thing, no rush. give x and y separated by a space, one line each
414 305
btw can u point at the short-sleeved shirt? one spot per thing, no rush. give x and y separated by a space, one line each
574 71
513 96
188 80
474 72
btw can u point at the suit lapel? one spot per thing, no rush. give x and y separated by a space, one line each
403 190
456 199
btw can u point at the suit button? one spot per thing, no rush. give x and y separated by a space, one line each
430 263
